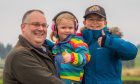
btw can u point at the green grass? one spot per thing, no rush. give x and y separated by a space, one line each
2 61
137 65
131 78
0 81
137 60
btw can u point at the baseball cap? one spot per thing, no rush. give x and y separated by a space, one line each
95 9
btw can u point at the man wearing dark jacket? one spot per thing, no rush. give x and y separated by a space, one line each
31 61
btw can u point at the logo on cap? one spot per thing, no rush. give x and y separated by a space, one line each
94 8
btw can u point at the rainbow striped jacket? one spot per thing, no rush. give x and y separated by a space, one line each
80 57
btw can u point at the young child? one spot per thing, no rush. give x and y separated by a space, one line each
107 51
71 53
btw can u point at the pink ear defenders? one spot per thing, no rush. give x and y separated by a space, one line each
53 25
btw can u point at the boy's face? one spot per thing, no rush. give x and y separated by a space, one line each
94 22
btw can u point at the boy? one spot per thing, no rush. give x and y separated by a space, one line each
106 51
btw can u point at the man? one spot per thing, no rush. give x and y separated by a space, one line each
30 61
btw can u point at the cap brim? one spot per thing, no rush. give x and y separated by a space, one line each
94 13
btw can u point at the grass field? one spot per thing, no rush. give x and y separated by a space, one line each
131 78
133 74
1 81
124 79
137 60
1 69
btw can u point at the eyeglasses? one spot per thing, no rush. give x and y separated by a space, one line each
37 24
97 19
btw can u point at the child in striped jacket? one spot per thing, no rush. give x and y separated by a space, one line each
71 53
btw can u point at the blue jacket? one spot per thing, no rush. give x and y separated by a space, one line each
105 65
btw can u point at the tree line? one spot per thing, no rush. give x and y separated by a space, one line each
4 50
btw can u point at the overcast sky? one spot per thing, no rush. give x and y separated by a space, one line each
122 13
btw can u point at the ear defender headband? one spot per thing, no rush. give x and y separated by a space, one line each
54 26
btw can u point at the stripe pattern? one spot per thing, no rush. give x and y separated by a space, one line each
79 57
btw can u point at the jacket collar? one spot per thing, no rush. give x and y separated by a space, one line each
92 35
27 44
66 40
95 33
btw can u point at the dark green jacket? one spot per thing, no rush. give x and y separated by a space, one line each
28 65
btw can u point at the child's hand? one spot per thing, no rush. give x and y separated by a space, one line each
66 56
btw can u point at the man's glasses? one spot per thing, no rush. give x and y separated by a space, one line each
37 24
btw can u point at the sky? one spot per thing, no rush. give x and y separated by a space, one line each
122 13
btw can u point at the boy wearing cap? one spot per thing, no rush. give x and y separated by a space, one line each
107 51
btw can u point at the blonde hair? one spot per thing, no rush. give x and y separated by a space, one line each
59 18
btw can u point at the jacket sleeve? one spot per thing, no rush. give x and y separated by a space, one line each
49 43
124 49
30 71
81 55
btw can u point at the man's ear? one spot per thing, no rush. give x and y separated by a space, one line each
22 26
